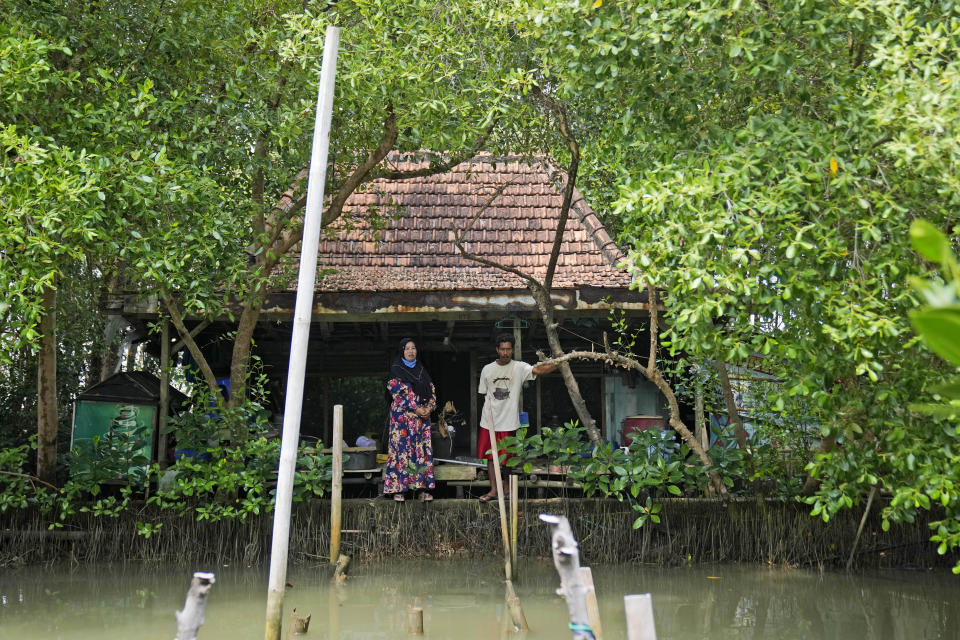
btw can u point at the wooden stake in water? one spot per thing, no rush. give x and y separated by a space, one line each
415 621
340 572
336 483
566 558
593 607
190 618
639 609
299 341
513 602
299 625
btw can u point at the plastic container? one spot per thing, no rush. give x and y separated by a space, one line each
359 458
634 424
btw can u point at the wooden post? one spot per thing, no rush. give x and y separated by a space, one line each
539 428
593 607
566 558
506 627
639 610
518 355
415 620
336 483
300 339
514 514
474 411
190 618
299 625
340 573
164 409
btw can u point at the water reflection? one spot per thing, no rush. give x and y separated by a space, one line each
465 600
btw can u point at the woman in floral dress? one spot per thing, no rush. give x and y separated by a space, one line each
409 452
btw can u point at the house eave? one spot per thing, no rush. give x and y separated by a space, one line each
383 306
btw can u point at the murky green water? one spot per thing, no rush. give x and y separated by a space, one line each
464 600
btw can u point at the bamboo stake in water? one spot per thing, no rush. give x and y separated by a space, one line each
299 341
514 514
336 483
513 602
498 477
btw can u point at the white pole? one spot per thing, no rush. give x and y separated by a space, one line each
301 334
336 483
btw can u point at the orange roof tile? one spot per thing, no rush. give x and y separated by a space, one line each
416 251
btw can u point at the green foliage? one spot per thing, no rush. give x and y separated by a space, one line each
17 491
935 480
110 458
237 481
764 162
648 469
220 482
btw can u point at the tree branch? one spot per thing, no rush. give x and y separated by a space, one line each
295 198
654 328
738 431
613 358
177 319
563 125
439 167
360 174
281 238
458 241
32 479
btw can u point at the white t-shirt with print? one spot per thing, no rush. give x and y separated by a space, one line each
501 385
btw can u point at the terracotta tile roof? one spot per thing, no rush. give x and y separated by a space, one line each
415 248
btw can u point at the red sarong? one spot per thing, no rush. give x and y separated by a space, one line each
483 443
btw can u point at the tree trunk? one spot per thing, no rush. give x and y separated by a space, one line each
188 340
733 415
654 376
545 304
811 483
109 356
110 359
240 358
47 389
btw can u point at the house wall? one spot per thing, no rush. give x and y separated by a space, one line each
630 397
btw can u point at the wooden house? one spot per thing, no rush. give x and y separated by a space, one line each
391 270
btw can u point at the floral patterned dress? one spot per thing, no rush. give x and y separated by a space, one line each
409 452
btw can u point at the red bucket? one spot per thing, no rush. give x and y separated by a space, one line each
633 424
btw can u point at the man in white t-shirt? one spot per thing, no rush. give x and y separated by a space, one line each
501 383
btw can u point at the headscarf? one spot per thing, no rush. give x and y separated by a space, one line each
415 376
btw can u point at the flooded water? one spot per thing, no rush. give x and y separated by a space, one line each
464 600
